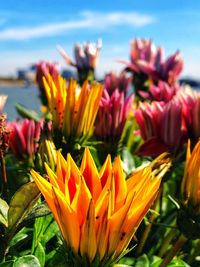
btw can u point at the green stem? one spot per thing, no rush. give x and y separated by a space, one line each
166 242
178 245
148 226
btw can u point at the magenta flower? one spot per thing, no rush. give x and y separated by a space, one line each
145 51
168 70
86 55
160 127
162 92
43 69
120 82
112 115
24 138
149 60
190 101
86 58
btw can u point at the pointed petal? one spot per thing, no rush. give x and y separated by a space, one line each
90 174
88 244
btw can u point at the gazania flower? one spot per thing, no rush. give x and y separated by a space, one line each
190 186
86 58
73 113
112 115
145 57
190 101
24 137
43 69
99 212
86 55
160 127
188 218
144 50
162 92
120 82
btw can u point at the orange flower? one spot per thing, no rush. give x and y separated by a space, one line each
191 181
74 114
99 212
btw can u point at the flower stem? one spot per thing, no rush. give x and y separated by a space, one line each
166 242
4 177
148 226
178 245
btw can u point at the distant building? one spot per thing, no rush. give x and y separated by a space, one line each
67 74
27 74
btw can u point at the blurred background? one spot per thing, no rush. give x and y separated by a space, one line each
30 31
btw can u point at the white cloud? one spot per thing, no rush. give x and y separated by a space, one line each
103 20
86 20
26 33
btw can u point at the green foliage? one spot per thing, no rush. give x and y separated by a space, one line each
27 113
29 235
3 212
27 261
153 261
21 204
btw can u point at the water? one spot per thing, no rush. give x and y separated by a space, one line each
27 96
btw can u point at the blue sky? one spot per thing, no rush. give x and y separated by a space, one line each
30 30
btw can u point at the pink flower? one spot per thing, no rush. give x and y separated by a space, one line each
162 92
24 138
120 82
112 115
160 126
190 101
86 55
43 69
145 51
149 60
148 119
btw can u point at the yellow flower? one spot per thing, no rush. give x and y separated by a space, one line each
99 212
73 113
191 181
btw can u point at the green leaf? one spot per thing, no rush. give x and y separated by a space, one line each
155 261
38 211
142 261
59 258
127 261
128 161
45 228
178 263
21 204
21 236
27 113
40 254
122 265
7 264
3 212
50 232
27 261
